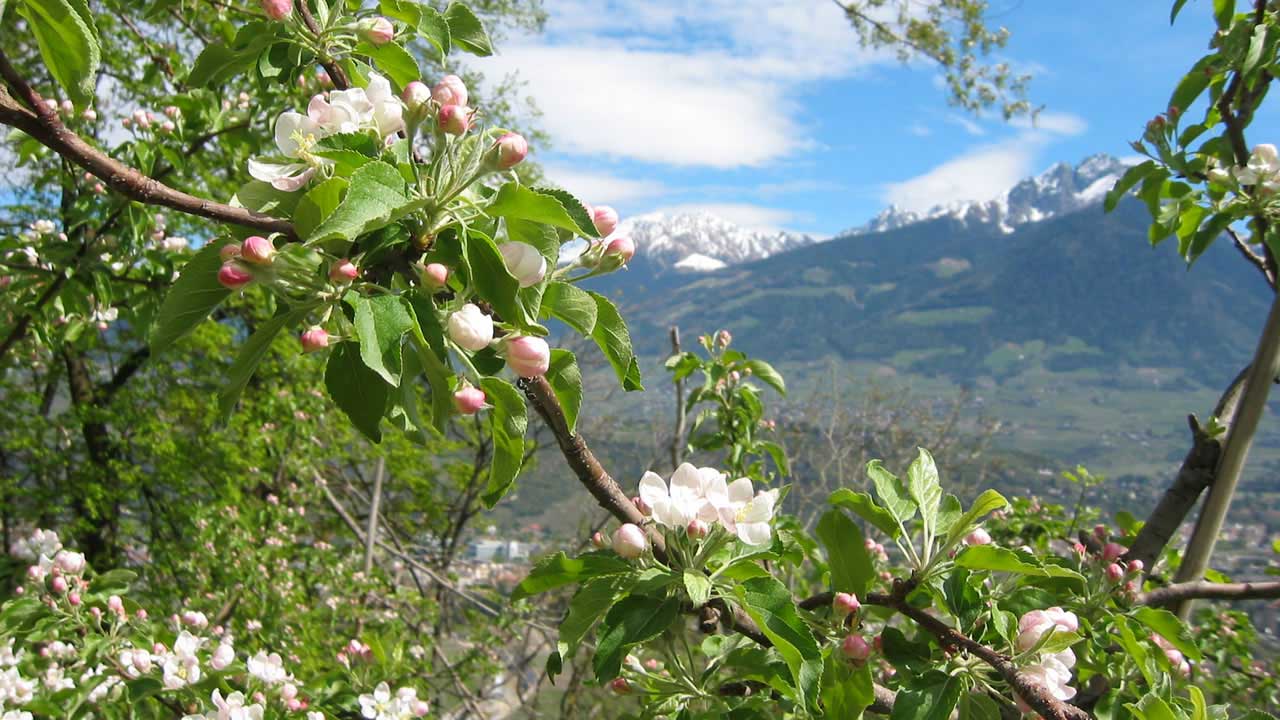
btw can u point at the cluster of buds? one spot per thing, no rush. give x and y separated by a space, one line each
471 329
239 262
167 124
67 110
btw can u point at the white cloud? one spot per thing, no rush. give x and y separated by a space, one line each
970 125
602 188
920 130
980 174
1057 123
752 217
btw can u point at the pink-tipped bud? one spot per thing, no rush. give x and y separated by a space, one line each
455 119
1136 567
1079 548
229 252
620 686
723 338
511 150
697 529
172 111
1112 551
629 541
234 276
435 276
528 356
378 31
277 9
450 91
167 127
605 219
141 118
89 115
1115 573
257 250
855 648
58 584
314 338
142 614
343 271
597 539
74 598
1131 589
67 107
845 604
96 612
468 400
69 562
978 537
642 506
1101 532
621 247
115 605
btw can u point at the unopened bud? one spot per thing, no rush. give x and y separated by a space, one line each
415 95
435 276
605 219
233 276
455 119
597 539
524 262
510 151
1102 532
1136 567
74 598
314 338
621 247
845 604
855 648
378 31
343 271
697 529
257 250
978 537
277 9
450 91
469 400
528 356
1112 551
642 506
629 541
1115 573
620 686
58 584
115 605
229 252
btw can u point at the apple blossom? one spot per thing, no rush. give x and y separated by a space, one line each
1115 573
979 536
510 151
58 584
222 656
313 339
524 262
1034 624
605 219
435 276
378 31
343 271
1053 674
257 250
69 562
856 648
388 110
746 514
267 668
528 356
1136 567
685 500
115 605
845 604
195 619
1112 551
629 541
454 119
277 9
642 506
470 328
1262 168
468 400
450 91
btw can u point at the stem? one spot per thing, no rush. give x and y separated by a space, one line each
1243 427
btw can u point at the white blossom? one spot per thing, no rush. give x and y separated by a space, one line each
676 505
268 668
744 513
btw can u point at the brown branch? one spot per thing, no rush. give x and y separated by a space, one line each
1203 590
336 73
46 128
677 437
1252 257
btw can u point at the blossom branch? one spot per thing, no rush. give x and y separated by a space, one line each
45 127
1203 590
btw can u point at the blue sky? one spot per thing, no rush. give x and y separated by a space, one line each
767 112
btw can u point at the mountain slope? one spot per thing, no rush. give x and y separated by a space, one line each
699 242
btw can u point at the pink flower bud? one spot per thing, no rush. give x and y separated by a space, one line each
96 612
1112 551
697 529
416 94
978 537
141 614
343 271
511 150
313 339
470 328
855 648
469 400
605 219
620 686
167 127
421 708
629 541
528 356
597 539
59 584
289 691
99 189
1101 532
435 276
73 598
845 604
172 111
230 251
723 338
450 91
1136 567
257 250
115 605
141 118
455 119
652 665
277 9
378 31
89 115
621 247
1079 549
524 262
1114 572
69 562
233 276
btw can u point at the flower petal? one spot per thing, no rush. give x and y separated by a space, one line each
754 533
740 492
653 489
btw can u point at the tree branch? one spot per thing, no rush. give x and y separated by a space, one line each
1203 590
336 73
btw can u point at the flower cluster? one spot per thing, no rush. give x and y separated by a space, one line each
703 495
1051 670
382 704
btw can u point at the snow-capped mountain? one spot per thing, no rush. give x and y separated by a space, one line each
702 242
1060 189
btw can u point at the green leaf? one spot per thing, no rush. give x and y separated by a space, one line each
518 202
610 334
358 391
577 211
377 197
393 60
1256 45
466 30
571 305
767 375
195 294
1168 626
698 585
588 605
864 507
559 570
925 489
318 204
1152 707
492 279
1192 84
634 620
381 322
931 696
988 502
990 557
1131 177
851 568
769 604
429 23
251 354
112 582
1207 233
566 381
892 493
68 42
976 706
507 421
428 340
1177 8
1223 11
847 690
